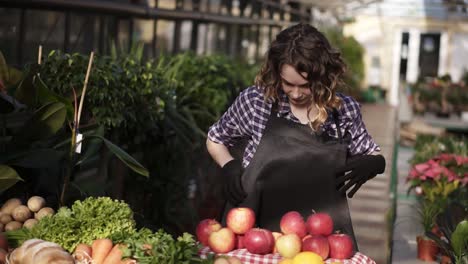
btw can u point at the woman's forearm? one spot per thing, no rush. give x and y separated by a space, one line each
218 152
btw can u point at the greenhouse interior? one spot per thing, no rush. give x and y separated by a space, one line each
233 131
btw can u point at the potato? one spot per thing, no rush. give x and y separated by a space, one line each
44 212
13 225
21 213
5 218
10 205
30 223
36 203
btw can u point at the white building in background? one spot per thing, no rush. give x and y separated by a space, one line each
405 39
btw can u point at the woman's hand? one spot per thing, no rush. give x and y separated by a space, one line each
361 169
233 190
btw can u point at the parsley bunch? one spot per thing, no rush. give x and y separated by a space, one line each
161 248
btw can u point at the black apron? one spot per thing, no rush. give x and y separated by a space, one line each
293 169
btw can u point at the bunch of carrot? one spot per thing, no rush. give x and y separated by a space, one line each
101 251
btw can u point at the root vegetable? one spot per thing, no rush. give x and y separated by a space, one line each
115 256
13 225
100 249
21 213
44 212
36 203
5 218
30 223
9 205
83 252
36 251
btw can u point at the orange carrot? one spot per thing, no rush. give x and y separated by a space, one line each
100 249
82 252
115 256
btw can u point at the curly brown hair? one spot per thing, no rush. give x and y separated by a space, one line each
307 50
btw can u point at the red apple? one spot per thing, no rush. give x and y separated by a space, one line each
259 241
341 246
293 222
288 245
205 228
320 224
240 220
317 244
222 241
306 237
240 242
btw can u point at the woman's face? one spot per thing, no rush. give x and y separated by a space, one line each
295 86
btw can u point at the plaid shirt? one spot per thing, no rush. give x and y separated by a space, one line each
248 115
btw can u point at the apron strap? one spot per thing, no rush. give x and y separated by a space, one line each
274 108
337 123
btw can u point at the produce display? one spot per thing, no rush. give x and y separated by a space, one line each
100 230
312 239
93 231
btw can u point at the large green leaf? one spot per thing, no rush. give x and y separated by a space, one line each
9 76
3 69
124 157
25 91
8 177
92 146
45 123
45 95
36 158
459 239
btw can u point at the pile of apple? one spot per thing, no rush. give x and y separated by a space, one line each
297 235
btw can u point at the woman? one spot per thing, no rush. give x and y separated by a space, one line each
302 135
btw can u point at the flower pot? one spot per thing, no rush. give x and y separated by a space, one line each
444 259
427 249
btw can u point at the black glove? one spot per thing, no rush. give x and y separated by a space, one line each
233 191
362 168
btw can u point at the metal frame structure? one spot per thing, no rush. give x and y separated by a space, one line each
263 13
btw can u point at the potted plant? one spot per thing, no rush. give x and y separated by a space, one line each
454 240
427 247
434 180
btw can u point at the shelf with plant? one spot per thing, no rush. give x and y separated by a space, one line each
437 181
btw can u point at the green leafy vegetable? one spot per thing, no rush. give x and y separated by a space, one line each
160 247
86 221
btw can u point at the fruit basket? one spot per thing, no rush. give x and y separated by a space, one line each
249 258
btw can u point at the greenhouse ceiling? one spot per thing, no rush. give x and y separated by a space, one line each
343 8
338 7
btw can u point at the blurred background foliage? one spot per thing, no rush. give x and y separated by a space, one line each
158 110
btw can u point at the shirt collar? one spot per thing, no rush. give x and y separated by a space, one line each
284 108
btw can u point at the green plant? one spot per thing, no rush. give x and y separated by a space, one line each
45 141
9 76
353 55
429 146
428 212
454 227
